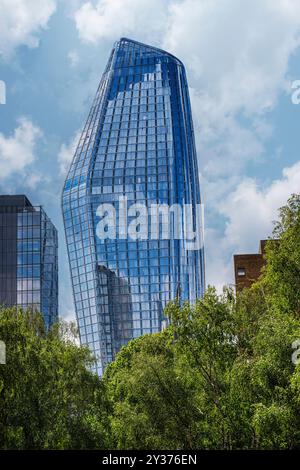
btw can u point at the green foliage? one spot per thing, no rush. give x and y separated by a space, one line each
48 398
282 274
215 379
221 376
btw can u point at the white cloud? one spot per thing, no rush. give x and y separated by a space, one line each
18 150
249 212
250 209
66 153
237 55
73 57
34 179
69 315
218 260
238 51
21 21
110 19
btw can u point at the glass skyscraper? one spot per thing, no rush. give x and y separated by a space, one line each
137 147
28 258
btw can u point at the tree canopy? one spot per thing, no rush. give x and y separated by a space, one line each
220 376
48 397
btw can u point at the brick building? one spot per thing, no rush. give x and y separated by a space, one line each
247 267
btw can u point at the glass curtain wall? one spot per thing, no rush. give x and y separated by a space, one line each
138 142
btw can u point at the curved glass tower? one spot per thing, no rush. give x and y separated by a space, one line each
131 192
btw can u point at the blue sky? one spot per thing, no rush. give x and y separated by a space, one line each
241 60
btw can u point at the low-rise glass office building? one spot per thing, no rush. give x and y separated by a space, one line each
28 258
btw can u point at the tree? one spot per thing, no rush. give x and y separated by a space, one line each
281 279
217 378
221 376
49 399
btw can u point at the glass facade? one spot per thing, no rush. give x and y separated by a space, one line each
138 142
28 258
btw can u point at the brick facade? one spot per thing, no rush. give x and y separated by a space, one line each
247 267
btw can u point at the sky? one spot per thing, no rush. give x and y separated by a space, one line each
243 66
